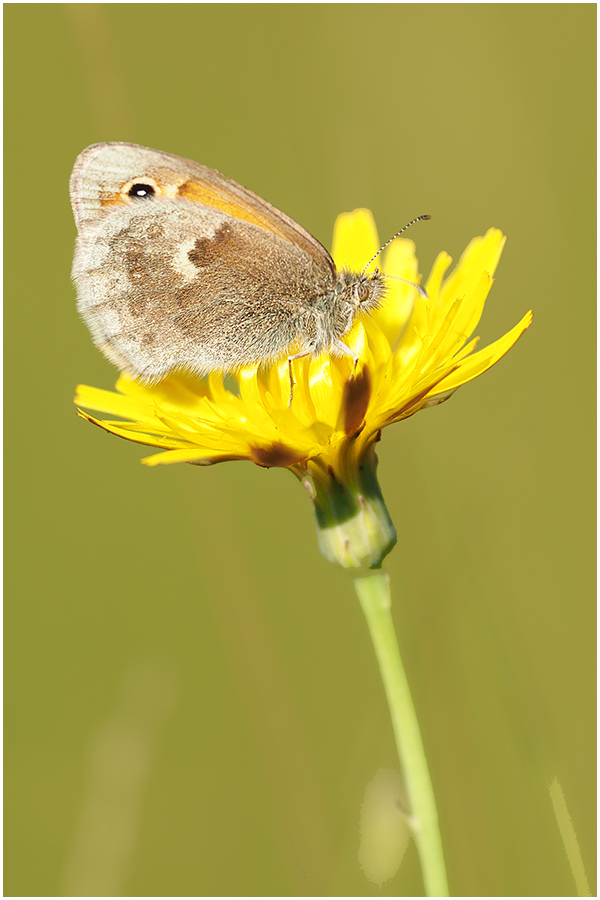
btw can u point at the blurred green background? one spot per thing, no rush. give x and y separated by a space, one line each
192 703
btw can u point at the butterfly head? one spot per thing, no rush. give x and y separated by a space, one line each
361 292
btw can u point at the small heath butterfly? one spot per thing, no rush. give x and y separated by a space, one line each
178 267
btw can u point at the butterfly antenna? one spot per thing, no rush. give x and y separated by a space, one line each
421 291
398 233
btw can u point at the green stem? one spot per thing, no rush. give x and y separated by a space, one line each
374 595
569 838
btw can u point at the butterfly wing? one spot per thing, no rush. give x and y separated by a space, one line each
193 270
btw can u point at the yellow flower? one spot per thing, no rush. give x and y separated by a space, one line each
414 352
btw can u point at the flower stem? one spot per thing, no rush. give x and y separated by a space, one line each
569 838
374 594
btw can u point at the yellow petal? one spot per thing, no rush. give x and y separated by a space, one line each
198 457
355 240
400 262
482 255
411 352
120 431
484 359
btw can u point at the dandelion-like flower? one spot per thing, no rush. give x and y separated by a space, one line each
414 352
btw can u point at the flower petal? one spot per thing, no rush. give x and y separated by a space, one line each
480 362
412 352
400 263
355 240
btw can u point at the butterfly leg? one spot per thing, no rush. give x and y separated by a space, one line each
306 352
343 348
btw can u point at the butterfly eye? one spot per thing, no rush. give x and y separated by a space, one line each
141 191
362 292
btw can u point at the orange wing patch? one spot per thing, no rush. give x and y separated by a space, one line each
232 206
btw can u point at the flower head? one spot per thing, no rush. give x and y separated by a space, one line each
414 352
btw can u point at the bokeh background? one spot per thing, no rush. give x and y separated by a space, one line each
192 703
